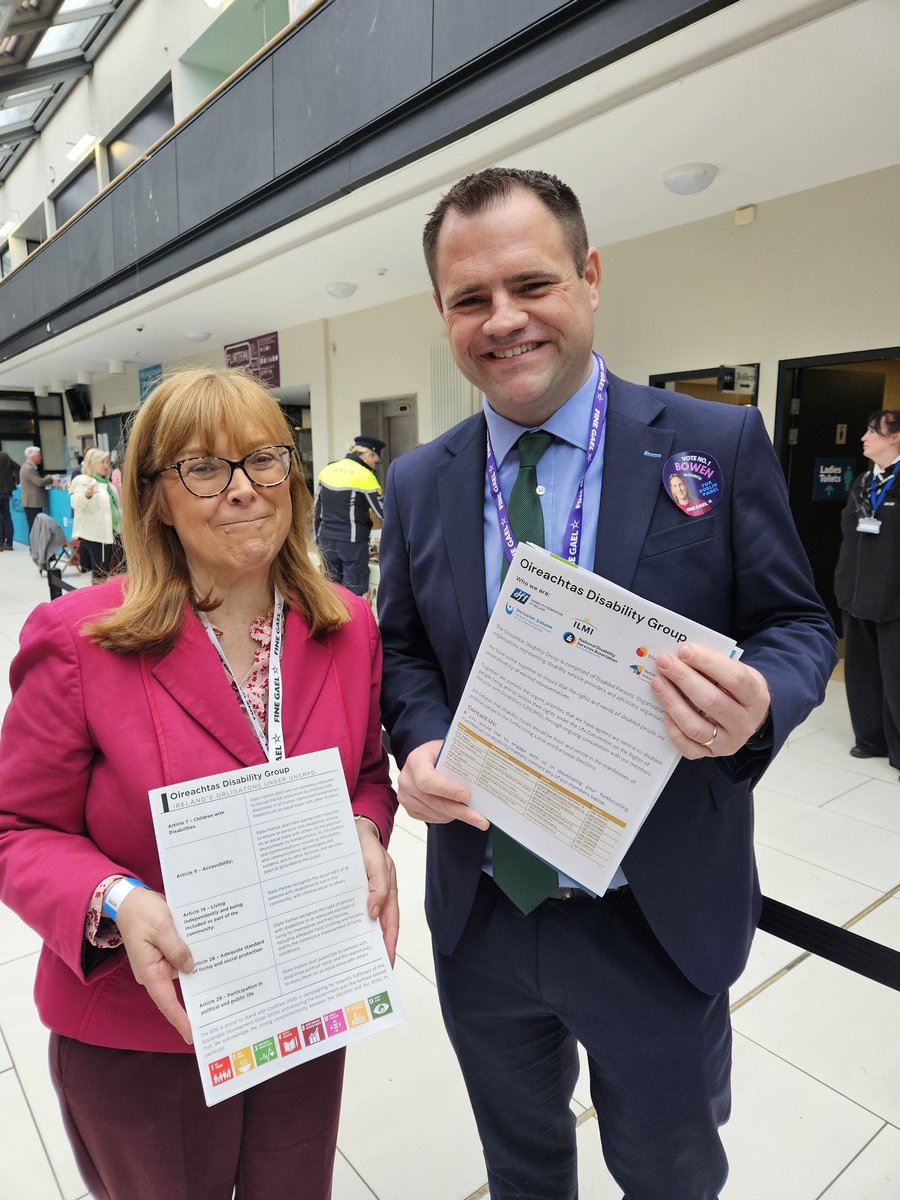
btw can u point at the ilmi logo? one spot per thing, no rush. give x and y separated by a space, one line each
583 627
520 596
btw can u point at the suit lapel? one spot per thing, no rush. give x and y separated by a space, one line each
633 461
193 676
460 489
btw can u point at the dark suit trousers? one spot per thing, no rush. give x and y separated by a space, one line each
518 994
140 1129
347 563
6 525
872 676
31 516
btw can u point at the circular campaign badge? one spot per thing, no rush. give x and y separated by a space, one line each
693 482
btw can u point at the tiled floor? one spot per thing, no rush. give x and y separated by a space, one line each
817 1051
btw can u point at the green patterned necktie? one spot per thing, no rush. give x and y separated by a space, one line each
524 512
524 877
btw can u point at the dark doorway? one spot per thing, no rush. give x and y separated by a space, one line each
821 413
111 435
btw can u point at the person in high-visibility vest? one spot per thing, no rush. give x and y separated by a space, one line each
348 495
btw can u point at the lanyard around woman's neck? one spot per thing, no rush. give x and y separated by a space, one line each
878 488
273 746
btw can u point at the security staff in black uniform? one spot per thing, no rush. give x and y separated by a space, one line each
348 494
867 587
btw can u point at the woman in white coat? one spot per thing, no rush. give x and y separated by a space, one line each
95 514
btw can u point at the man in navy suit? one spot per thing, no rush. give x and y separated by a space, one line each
640 975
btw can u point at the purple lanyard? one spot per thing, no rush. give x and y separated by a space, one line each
572 539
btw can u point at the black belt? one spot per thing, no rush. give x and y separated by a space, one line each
577 893
570 893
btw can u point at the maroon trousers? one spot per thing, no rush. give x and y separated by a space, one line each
140 1129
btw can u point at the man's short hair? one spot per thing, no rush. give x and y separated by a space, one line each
30 451
494 185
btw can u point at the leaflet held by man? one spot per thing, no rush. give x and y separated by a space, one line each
558 735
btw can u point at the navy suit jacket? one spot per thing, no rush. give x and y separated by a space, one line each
739 569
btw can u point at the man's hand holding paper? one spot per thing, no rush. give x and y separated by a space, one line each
561 736
429 795
712 703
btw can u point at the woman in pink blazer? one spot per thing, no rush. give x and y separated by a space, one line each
155 678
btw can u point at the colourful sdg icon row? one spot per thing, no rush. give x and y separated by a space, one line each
310 1033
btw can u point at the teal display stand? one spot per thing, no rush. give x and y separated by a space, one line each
59 507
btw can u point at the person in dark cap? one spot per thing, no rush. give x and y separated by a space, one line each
348 494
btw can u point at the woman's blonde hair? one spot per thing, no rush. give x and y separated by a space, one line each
90 457
192 408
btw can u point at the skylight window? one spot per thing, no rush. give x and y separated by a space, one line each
14 116
15 98
60 38
60 41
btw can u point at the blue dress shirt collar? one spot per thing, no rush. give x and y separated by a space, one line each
570 423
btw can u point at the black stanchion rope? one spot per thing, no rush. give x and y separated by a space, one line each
839 946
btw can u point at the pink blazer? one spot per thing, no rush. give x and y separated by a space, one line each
88 732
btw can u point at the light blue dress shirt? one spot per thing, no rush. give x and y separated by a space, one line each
559 472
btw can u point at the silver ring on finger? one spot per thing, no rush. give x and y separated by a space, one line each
709 741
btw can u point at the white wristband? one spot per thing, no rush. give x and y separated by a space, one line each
117 893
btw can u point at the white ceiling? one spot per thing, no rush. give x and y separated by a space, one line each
782 95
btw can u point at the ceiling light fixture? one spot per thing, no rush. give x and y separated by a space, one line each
116 366
84 378
40 391
340 291
86 142
197 336
690 178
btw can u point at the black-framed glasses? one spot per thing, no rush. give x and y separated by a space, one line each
206 475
